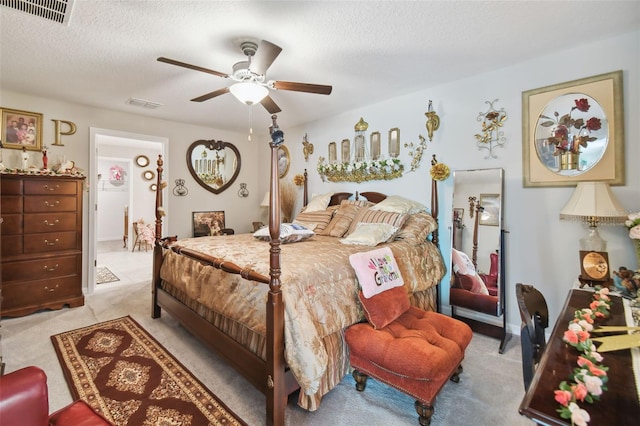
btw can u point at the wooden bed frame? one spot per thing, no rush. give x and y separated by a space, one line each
272 377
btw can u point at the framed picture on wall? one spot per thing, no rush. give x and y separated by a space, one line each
208 223
574 132
21 129
490 214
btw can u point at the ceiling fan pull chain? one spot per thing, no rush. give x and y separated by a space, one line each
250 123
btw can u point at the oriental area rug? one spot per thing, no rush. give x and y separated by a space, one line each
126 375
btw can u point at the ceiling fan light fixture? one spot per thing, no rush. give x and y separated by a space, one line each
249 93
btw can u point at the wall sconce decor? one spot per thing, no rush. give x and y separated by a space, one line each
243 192
491 137
180 190
307 148
361 166
433 121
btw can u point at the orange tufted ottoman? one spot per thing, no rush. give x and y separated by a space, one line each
407 348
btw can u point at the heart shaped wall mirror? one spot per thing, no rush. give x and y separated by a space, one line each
215 165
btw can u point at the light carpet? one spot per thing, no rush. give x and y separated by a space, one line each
128 377
104 275
489 392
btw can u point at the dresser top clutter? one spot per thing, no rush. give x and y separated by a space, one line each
41 239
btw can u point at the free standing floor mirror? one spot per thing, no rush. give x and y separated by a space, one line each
477 294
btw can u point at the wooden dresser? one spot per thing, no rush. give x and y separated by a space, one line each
41 243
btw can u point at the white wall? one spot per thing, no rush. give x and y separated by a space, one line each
540 249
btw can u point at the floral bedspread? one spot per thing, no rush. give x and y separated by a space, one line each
319 288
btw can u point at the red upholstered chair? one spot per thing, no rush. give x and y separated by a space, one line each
24 400
407 348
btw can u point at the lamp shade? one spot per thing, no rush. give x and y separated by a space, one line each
265 200
593 203
248 93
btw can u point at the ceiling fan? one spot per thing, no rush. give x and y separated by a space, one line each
250 85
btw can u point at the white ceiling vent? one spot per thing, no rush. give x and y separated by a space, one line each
53 10
143 104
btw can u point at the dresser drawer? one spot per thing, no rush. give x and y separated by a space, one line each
11 245
50 187
49 222
12 224
51 203
30 296
10 186
47 242
11 204
41 269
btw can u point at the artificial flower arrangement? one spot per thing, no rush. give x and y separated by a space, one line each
570 133
360 171
588 380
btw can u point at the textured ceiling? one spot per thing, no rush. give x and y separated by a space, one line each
368 51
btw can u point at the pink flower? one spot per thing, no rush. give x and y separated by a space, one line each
583 336
593 385
593 369
580 391
563 397
579 417
582 361
570 337
582 104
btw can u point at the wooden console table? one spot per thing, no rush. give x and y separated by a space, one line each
617 406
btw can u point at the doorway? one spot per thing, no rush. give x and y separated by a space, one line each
120 193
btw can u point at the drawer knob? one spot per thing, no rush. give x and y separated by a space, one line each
46 288
46 268
53 188
47 203
54 223
51 243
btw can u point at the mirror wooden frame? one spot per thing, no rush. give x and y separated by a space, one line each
214 146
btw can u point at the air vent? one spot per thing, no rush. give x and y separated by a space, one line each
143 104
53 10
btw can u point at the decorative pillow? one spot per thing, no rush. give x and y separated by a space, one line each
377 271
370 234
289 233
318 203
309 226
377 216
398 204
384 308
417 228
343 217
321 218
462 265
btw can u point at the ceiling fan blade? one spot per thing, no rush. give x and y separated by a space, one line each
191 67
303 87
211 95
265 55
270 105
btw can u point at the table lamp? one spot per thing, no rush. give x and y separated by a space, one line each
593 203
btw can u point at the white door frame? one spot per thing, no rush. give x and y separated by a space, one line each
94 136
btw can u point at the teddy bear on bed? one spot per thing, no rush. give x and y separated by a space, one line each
626 281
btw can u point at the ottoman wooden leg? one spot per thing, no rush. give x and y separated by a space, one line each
455 377
425 411
361 380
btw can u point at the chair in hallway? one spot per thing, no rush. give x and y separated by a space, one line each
144 235
535 319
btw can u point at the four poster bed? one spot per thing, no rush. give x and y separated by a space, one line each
277 312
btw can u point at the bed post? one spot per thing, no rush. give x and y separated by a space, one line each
305 192
157 249
276 393
434 212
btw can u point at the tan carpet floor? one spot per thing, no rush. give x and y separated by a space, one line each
489 391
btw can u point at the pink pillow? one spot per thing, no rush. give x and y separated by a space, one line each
463 266
376 270
384 308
